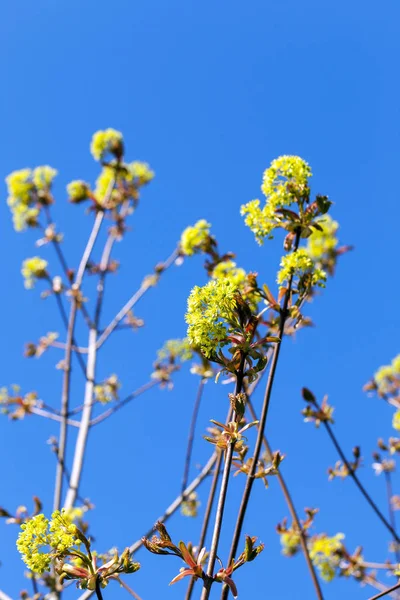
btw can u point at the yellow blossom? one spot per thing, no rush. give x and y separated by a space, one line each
109 140
32 269
195 239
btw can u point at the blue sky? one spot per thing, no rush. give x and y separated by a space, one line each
208 93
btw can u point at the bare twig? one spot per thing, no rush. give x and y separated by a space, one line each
192 428
3 596
132 301
113 409
389 492
386 592
128 589
51 415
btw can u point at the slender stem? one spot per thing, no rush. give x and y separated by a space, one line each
128 589
110 411
103 272
132 301
62 444
65 320
293 512
98 589
261 426
358 483
207 516
62 346
208 579
50 415
385 592
192 429
3 596
389 491
81 441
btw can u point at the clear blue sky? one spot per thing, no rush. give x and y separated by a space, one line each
208 93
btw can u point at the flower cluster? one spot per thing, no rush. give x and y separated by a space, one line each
15 405
107 391
41 540
386 381
195 239
284 182
190 505
325 553
298 265
314 412
78 191
32 269
176 349
210 315
107 141
28 190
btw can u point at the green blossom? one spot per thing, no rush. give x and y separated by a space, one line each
396 420
299 264
25 189
195 239
109 140
31 540
322 243
290 542
324 552
140 172
108 390
78 191
229 271
210 315
284 182
32 269
43 177
174 349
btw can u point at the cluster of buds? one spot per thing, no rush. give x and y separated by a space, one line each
225 435
107 391
16 405
314 412
266 467
163 544
341 470
36 350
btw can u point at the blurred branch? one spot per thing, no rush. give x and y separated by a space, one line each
122 403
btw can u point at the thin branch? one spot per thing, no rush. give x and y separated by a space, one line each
192 429
98 589
62 444
261 426
132 301
386 592
50 415
3 596
107 413
389 492
358 483
293 512
65 321
128 589
62 346
208 579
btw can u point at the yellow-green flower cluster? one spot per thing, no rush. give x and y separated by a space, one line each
299 264
229 271
109 140
140 172
78 191
210 314
396 420
176 349
108 390
324 554
195 239
322 243
387 377
24 187
40 540
290 542
284 182
32 269
190 505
